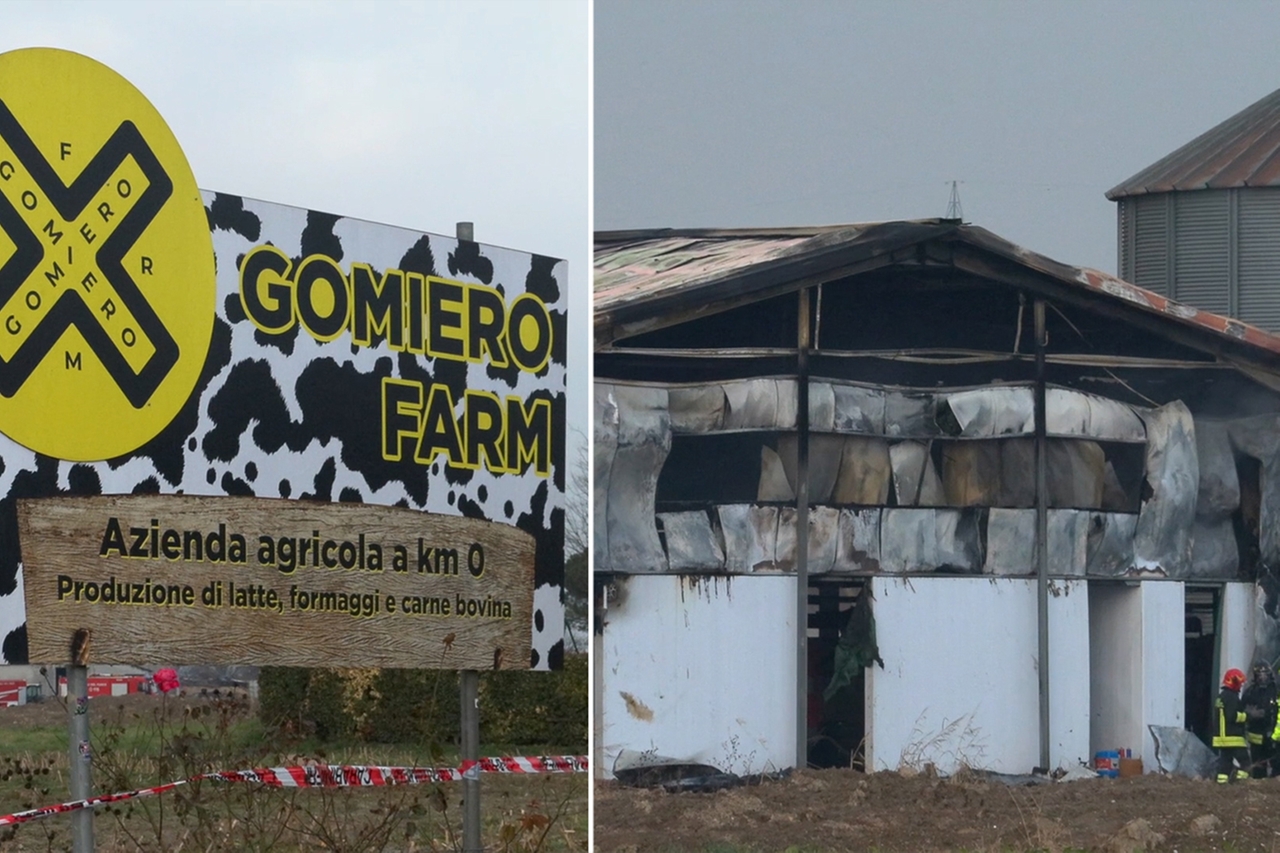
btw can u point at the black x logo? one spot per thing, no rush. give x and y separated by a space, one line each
67 266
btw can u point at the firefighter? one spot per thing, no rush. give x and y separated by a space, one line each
1229 731
1259 700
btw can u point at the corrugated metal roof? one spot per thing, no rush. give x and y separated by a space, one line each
650 279
646 275
1114 288
1243 151
652 264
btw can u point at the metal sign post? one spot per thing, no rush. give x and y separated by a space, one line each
468 688
469 693
79 753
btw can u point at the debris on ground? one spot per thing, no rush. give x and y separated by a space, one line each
844 809
673 775
1182 753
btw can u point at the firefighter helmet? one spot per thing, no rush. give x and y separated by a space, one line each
1262 673
1233 679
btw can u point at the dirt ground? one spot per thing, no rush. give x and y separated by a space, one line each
847 810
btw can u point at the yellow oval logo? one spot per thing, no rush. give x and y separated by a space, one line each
107 279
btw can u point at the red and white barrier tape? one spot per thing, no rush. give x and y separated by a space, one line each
331 776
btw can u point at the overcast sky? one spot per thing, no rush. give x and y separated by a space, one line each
416 114
753 113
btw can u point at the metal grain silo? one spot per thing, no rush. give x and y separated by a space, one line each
1202 225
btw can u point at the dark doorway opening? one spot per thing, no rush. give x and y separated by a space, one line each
1247 519
836 725
1203 606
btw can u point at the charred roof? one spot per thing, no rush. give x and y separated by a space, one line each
646 281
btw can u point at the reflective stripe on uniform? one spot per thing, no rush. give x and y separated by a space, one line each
1222 739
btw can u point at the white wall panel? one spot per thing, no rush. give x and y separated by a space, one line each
1237 628
1115 655
960 684
1137 664
1068 674
1164 649
702 669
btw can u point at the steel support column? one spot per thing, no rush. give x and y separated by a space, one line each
1042 537
803 337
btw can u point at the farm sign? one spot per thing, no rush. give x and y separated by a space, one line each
232 580
346 383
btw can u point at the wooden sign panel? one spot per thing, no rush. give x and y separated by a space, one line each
225 580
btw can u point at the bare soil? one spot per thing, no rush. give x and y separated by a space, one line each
817 810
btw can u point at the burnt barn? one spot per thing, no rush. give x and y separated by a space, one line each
907 493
